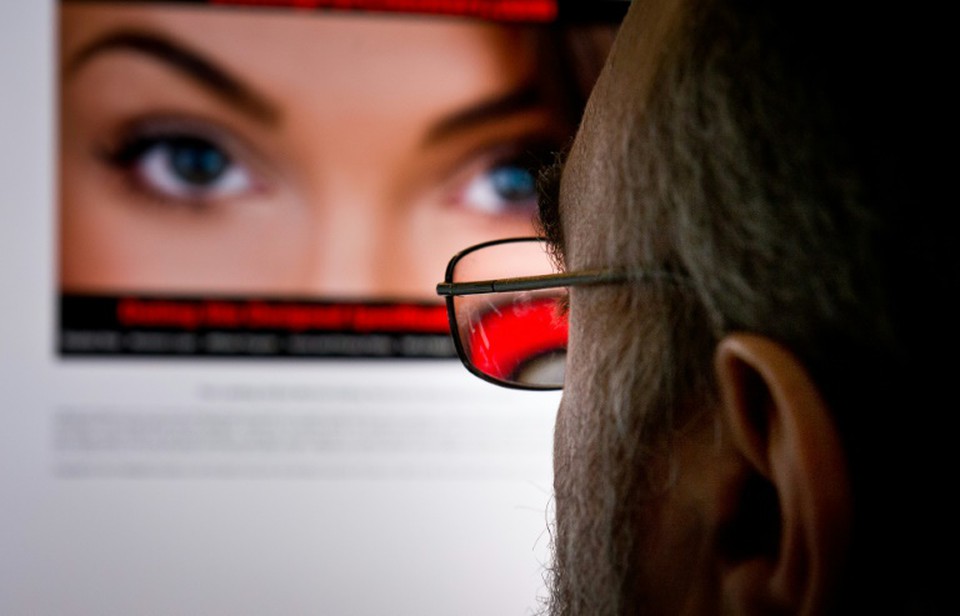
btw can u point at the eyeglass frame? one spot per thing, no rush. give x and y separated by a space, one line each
449 290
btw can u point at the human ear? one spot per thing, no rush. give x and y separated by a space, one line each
786 535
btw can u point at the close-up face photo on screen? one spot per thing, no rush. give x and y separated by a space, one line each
475 307
329 155
325 163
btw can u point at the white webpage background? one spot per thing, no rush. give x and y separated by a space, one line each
188 487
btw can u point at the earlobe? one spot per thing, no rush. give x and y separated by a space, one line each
792 453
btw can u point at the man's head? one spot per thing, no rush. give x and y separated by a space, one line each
760 430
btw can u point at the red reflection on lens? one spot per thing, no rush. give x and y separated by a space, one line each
506 338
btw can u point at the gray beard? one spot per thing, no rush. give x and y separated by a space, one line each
636 368
617 418
582 579
599 483
595 539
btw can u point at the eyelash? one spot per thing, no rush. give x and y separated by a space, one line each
482 194
147 152
157 155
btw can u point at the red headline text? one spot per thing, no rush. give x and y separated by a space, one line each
286 316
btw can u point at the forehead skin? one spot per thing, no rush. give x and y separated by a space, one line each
593 183
301 59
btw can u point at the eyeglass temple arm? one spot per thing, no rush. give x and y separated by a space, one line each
532 283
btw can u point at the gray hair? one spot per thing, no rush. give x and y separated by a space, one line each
785 159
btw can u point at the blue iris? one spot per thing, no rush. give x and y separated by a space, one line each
197 161
513 183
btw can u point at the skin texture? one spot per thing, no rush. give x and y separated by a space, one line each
349 175
596 468
697 470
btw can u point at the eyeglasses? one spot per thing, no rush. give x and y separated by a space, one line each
508 309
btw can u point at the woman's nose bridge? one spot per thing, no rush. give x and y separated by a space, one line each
353 240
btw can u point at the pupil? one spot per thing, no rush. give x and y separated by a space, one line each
197 161
514 183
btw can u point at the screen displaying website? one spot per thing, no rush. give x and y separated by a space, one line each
228 384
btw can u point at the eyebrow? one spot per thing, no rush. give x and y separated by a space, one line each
190 63
523 98
549 223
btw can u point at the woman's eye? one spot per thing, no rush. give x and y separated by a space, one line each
184 167
505 188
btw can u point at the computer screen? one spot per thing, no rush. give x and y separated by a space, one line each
229 387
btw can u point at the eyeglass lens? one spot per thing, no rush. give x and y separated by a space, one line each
518 337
